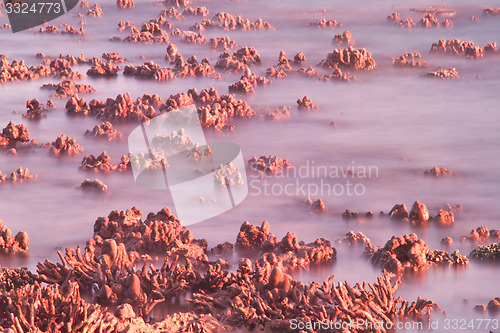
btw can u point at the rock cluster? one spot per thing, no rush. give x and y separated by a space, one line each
93 185
102 163
105 131
349 58
306 103
12 135
442 73
410 59
458 47
227 21
65 146
67 89
11 245
18 176
268 165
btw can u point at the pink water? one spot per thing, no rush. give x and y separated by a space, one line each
393 119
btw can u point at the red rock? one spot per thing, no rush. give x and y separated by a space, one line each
306 104
349 58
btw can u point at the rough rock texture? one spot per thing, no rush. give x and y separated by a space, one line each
67 89
12 245
102 163
306 103
268 165
349 58
12 135
345 39
227 21
105 131
18 176
64 145
442 73
443 257
458 47
486 252
410 59
400 253
482 234
324 23
93 185
439 172
317 206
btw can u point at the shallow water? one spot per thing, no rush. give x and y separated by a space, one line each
394 120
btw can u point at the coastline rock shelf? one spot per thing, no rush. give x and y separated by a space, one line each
101 288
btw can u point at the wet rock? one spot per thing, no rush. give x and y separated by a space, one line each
252 237
279 113
227 21
442 257
35 110
410 59
150 33
15 278
228 174
191 67
299 58
317 206
239 61
419 213
338 75
190 36
18 71
394 17
125 3
444 218
95 11
448 241
486 252
18 176
429 21
247 83
13 134
195 11
324 23
400 253
306 103
457 47
149 70
438 172
349 58
113 57
482 234
222 43
268 165
442 73
105 131
64 145
67 89
347 214
352 238
125 108
491 11
12 245
344 39
102 163
94 185
103 69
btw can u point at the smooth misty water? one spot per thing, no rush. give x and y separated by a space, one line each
393 119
